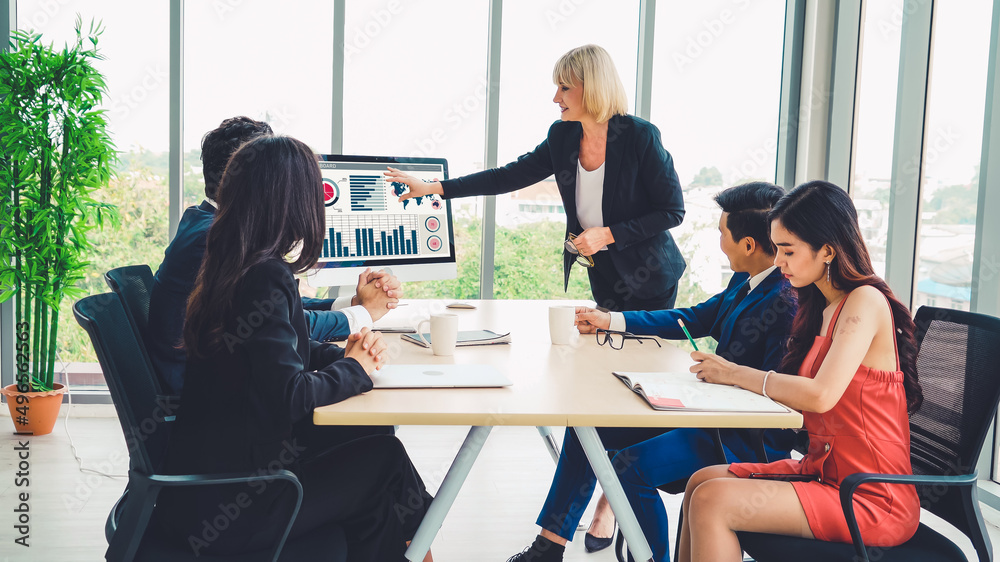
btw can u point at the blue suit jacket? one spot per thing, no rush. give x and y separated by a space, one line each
173 283
752 333
642 197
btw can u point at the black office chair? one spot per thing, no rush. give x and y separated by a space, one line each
959 369
133 285
133 390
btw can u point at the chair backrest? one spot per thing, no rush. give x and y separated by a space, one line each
133 284
958 366
130 380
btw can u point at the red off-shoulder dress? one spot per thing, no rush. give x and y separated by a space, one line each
867 431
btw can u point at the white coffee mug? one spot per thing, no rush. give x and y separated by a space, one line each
562 320
444 333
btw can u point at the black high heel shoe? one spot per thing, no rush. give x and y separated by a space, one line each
594 544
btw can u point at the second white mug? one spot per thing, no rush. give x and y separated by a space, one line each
443 332
562 320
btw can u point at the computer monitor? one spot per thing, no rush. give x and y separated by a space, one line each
368 227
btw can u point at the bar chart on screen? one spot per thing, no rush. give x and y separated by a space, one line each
365 235
367 192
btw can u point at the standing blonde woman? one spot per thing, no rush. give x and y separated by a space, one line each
617 183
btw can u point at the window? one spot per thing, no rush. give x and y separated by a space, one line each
231 67
415 85
137 109
716 94
953 136
879 60
530 222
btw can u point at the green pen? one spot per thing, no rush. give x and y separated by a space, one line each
688 334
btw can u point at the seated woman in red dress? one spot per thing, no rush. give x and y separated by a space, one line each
853 348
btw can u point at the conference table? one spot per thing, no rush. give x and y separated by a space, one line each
553 385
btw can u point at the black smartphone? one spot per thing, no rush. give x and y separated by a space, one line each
783 477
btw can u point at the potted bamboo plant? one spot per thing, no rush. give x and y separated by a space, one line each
54 153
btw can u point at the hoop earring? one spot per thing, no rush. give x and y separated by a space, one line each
828 273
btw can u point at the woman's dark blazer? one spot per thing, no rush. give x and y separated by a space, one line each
239 404
642 197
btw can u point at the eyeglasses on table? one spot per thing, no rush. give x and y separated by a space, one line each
616 339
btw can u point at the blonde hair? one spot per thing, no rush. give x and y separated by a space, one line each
603 93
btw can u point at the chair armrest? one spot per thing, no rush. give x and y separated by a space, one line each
111 525
850 484
144 490
171 480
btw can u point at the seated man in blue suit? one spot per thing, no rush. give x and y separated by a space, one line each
750 319
328 319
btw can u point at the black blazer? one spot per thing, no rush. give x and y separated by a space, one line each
173 283
238 404
642 197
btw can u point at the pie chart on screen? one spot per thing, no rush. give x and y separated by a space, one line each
331 192
432 224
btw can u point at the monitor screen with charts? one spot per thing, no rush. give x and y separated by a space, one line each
366 225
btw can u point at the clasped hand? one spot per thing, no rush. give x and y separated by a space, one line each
709 367
378 292
367 348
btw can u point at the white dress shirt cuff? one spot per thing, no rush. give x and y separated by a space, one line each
340 303
617 322
357 318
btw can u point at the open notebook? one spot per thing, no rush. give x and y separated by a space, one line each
684 391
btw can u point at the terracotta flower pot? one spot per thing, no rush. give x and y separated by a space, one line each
38 414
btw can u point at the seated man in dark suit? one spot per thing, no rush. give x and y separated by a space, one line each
750 319
327 319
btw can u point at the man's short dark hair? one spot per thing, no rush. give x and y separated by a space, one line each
748 205
220 143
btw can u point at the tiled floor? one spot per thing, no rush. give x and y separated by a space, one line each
492 518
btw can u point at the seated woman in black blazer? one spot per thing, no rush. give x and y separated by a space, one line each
253 375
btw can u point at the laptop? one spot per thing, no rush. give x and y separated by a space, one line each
439 376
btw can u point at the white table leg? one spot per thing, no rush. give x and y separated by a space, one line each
598 457
550 442
447 493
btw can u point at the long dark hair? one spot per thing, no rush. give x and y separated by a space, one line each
820 213
270 204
